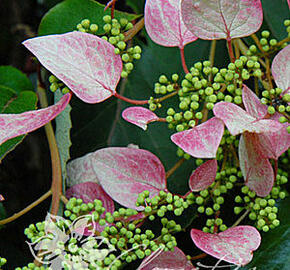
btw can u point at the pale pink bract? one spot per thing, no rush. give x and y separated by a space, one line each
281 69
139 116
201 141
13 125
257 131
164 24
86 63
235 245
203 176
222 19
166 260
80 170
125 172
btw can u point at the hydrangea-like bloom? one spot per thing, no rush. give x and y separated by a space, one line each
262 138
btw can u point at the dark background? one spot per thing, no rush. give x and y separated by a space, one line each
25 173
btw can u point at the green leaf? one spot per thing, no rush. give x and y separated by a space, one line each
62 134
273 254
137 6
65 16
12 101
275 12
14 79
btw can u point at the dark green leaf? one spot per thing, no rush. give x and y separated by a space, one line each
13 102
14 79
65 16
275 12
274 251
137 6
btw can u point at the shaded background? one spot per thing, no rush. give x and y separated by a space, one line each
25 173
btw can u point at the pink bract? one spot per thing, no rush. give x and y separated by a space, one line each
164 24
203 176
86 63
238 120
258 142
166 260
222 19
139 116
81 170
13 125
256 169
1 198
201 141
235 245
281 69
88 192
125 172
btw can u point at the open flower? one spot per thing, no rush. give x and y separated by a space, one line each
254 125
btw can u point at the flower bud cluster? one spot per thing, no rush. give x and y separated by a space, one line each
210 200
161 204
263 211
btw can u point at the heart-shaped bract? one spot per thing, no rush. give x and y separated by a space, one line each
164 24
86 63
222 19
235 245
238 120
80 170
166 260
201 141
281 69
13 125
203 176
126 172
256 168
139 116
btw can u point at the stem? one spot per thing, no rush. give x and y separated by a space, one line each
256 86
132 101
132 32
237 50
235 155
280 43
161 120
275 169
64 199
158 100
175 167
200 256
212 57
112 5
241 218
257 41
212 52
204 114
26 209
183 60
230 49
56 185
268 73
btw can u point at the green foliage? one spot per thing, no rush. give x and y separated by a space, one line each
15 97
274 13
66 15
274 251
